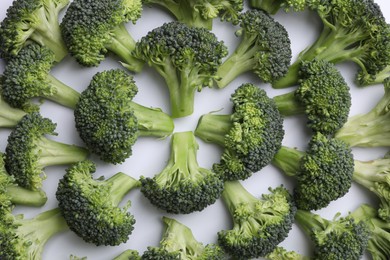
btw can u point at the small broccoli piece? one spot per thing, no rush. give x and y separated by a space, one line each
27 76
201 13
109 122
364 79
128 255
32 20
339 238
265 49
259 224
187 58
323 95
182 186
9 116
90 206
178 242
323 173
273 6
29 151
250 135
91 29
281 253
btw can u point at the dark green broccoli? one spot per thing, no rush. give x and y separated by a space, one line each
90 206
259 224
281 253
91 29
323 173
182 186
128 255
250 135
178 242
109 122
9 116
201 13
32 20
187 58
27 76
363 40
273 6
340 238
265 49
29 151
364 79
323 96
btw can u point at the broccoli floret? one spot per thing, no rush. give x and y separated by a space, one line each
182 186
265 49
178 242
363 40
259 224
250 135
201 13
9 116
339 238
27 76
273 6
323 173
128 255
364 79
187 58
323 96
29 151
109 122
32 20
281 253
90 206
91 29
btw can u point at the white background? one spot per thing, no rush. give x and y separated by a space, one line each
150 155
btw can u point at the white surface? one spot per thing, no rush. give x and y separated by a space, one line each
150 155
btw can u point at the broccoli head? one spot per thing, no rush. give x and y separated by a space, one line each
128 255
187 58
29 151
9 116
91 29
109 122
250 135
182 186
273 6
259 224
90 206
32 20
265 49
178 242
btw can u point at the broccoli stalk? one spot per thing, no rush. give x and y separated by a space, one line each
273 6
128 255
9 116
281 253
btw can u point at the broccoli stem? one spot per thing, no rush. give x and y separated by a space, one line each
310 222
120 185
288 160
213 128
128 254
26 197
9 116
63 94
270 6
370 172
376 79
234 194
288 105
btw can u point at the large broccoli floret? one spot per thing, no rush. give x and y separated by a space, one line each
363 39
27 76
323 173
91 29
264 49
32 20
9 116
250 135
178 242
200 13
29 151
339 238
273 6
259 224
323 96
90 206
182 186
128 255
109 122
187 58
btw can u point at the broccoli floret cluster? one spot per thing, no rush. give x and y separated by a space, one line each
273 6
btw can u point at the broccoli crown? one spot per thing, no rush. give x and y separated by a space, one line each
273 6
90 207
182 186
259 224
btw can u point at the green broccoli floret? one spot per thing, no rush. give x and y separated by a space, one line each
265 49
259 224
29 151
182 186
109 122
273 6
90 206
364 79
323 96
32 20
91 29
340 238
323 173
281 253
178 242
128 255
187 58
27 76
363 39
201 13
250 135
9 116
